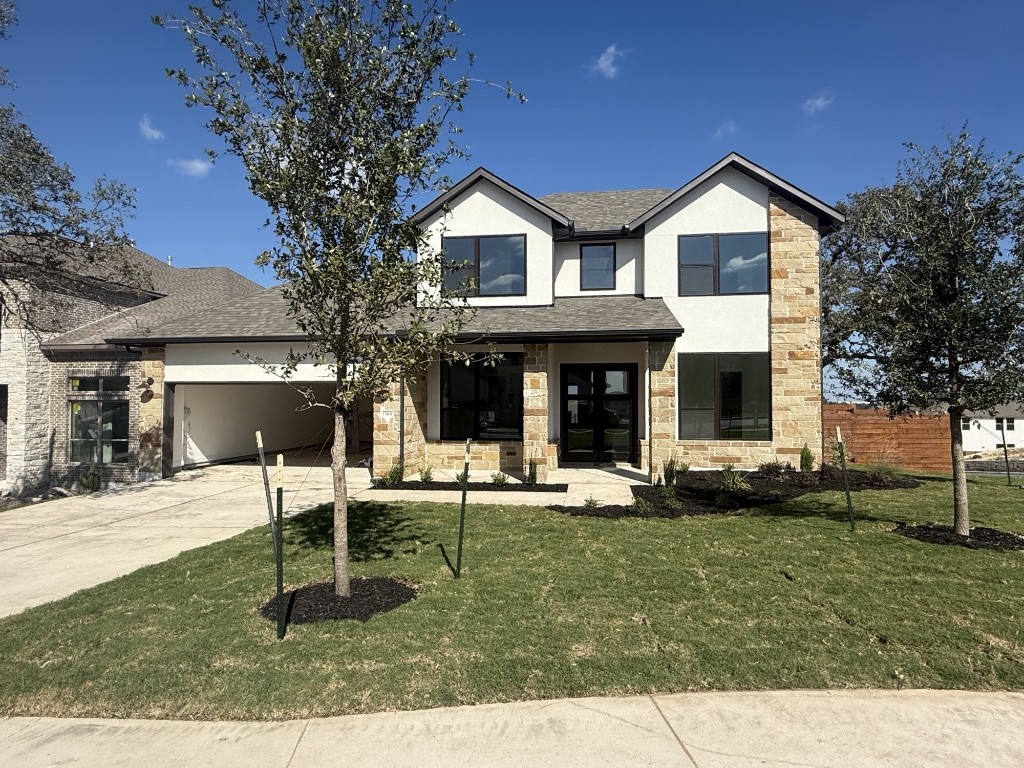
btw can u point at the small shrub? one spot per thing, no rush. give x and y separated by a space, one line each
673 503
882 473
642 506
670 471
91 480
732 480
426 473
499 478
667 491
531 473
463 477
773 470
806 459
591 503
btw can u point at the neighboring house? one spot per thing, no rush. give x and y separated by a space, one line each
69 400
634 326
984 431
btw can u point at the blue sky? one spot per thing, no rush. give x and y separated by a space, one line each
620 95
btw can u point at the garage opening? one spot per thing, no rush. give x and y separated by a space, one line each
218 422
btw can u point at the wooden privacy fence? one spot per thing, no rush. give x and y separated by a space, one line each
911 442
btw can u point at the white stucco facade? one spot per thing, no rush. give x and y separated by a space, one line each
220 363
487 210
629 272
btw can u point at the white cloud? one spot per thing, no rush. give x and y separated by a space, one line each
728 128
606 65
818 103
149 132
197 168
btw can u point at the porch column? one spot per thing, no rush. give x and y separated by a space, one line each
661 405
535 411
151 414
388 427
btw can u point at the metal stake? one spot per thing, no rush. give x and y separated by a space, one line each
462 513
846 480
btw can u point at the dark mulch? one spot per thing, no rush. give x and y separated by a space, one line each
417 485
980 538
317 602
701 493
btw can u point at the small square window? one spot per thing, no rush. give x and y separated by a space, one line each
597 267
965 424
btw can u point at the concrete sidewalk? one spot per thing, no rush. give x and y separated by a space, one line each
702 730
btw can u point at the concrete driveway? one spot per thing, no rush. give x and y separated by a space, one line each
50 550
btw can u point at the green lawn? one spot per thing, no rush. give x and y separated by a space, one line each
548 606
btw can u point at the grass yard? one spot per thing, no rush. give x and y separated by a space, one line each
549 605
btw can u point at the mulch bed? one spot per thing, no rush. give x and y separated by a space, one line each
701 492
980 538
418 485
317 602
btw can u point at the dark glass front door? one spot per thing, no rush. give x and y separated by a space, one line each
599 412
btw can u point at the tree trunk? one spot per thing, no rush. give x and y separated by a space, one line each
961 516
341 574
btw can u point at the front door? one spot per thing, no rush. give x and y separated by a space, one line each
599 412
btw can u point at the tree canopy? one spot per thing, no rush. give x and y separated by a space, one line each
923 289
340 111
53 238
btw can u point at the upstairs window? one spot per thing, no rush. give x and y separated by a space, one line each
731 264
1004 424
485 266
597 267
965 423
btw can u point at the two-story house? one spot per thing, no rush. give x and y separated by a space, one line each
634 326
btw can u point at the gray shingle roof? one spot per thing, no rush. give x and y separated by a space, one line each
186 292
263 316
604 211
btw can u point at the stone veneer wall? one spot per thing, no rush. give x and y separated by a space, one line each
795 344
536 445
661 408
151 413
387 425
510 456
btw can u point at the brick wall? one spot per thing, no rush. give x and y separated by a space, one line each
871 437
387 427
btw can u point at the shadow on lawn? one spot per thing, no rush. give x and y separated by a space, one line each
815 505
376 531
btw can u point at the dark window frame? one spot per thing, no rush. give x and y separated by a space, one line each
101 396
615 265
965 423
474 291
476 365
718 399
716 267
1005 423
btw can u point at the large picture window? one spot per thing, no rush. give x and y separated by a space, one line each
725 396
485 266
723 264
99 424
483 400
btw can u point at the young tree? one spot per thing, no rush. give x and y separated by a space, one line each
924 289
55 240
339 110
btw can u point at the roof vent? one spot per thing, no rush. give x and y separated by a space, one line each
169 260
